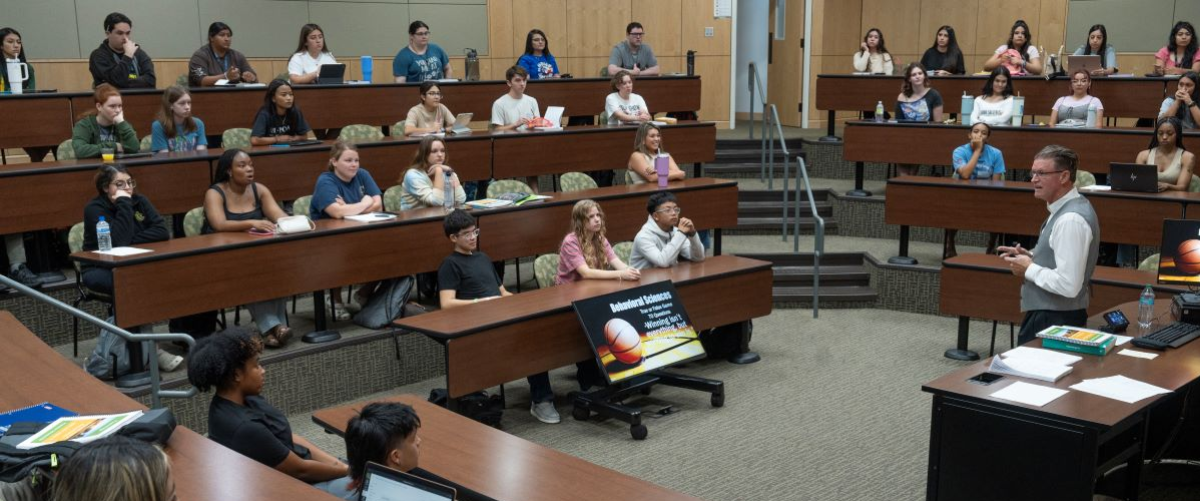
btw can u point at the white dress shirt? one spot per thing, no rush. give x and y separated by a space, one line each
1069 238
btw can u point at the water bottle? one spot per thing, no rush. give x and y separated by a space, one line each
968 106
691 63
1091 117
448 193
1018 111
1146 308
368 68
103 235
879 111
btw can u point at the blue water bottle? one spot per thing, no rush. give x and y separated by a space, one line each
368 68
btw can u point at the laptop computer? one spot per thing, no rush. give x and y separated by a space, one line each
381 483
461 123
1089 62
331 74
1133 177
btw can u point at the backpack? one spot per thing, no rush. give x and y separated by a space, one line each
110 359
386 304
725 341
487 409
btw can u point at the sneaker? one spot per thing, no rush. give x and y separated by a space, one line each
340 314
168 361
26 276
545 412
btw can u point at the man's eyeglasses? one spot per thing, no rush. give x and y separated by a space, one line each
672 210
637 34
125 185
1034 173
469 234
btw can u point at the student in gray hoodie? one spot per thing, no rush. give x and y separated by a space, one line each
666 237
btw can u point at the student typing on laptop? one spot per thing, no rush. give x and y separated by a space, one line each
430 115
1166 151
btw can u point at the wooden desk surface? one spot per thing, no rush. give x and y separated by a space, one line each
1133 218
1122 97
934 144
502 466
1173 369
203 470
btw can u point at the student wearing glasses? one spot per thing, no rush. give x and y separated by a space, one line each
131 218
420 60
430 115
217 60
118 61
1072 110
538 60
633 55
666 238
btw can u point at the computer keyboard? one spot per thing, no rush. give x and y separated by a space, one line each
1173 335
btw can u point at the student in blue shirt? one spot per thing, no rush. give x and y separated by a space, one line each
538 60
345 190
975 160
176 129
420 60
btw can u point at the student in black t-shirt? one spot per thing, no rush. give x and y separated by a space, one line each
279 120
240 419
467 276
383 433
944 57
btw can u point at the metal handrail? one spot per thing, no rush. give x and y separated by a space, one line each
756 81
818 229
156 392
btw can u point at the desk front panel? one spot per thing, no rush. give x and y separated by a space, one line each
594 149
964 208
470 156
34 121
1133 220
291 173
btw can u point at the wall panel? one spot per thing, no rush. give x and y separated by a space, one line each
697 14
594 27
550 16
664 21
164 28
387 22
41 25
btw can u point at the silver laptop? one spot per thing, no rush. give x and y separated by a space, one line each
331 74
381 483
462 123
1133 177
1089 62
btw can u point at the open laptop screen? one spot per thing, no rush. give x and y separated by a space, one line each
385 484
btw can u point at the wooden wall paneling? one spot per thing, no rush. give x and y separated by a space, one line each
594 27
714 100
1053 27
64 75
697 14
168 71
1138 64
549 16
996 19
843 29
500 29
675 64
962 16
900 21
785 78
664 21
586 67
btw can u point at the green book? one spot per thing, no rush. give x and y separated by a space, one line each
1098 350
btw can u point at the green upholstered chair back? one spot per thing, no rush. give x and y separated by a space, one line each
182 81
391 198
66 151
576 181
302 206
193 222
75 241
359 133
545 267
1149 264
502 186
145 144
628 176
623 250
1084 178
1194 184
398 128
236 138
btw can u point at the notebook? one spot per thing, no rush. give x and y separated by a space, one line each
44 412
331 74
381 483
1133 177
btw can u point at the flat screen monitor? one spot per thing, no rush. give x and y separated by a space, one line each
638 330
1179 259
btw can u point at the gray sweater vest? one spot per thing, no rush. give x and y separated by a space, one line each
1036 298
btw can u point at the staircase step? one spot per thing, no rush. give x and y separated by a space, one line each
756 143
754 196
830 275
732 156
772 225
828 260
770 209
837 293
743 170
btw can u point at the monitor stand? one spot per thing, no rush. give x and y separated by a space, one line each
607 402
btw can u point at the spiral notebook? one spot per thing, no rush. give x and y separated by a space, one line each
44 412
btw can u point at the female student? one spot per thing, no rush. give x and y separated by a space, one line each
872 55
425 180
975 160
1072 110
648 145
241 419
1185 103
14 52
105 127
430 115
538 60
115 467
176 129
944 57
345 190
279 120
622 105
995 105
312 51
1175 164
1097 44
235 202
917 102
1018 55
1180 55
216 60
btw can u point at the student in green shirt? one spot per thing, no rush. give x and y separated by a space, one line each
104 128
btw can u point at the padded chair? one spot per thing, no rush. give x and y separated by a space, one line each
391 198
75 244
628 177
193 222
144 146
182 81
623 250
65 151
576 181
359 133
302 206
1149 264
502 186
545 267
1194 185
235 138
1084 178
398 128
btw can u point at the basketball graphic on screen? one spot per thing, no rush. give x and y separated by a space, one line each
623 341
1187 259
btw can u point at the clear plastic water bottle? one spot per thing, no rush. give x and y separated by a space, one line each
447 193
1091 116
103 235
1146 308
968 106
879 111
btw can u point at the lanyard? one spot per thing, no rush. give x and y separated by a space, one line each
224 60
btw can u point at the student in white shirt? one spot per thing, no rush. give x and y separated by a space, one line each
995 105
514 110
623 106
305 65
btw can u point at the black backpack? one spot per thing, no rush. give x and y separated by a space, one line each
487 409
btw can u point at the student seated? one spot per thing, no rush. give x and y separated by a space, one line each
430 115
176 129
1019 54
665 238
622 105
944 58
633 55
995 106
1167 152
384 433
514 110
425 180
975 160
647 147
235 202
420 60
105 127
312 52
537 59
279 120
118 61
1097 45
1072 110
1180 54
1184 104
240 419
216 60
14 52
872 55
346 190
115 468
467 276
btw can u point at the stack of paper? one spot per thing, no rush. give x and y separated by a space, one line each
1030 394
1119 388
1033 363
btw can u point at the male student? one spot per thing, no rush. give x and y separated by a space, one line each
383 433
514 110
467 276
666 237
633 55
118 61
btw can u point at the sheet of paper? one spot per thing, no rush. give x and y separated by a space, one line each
1029 394
1119 388
1122 339
372 217
554 114
1097 187
124 251
1041 355
1138 354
